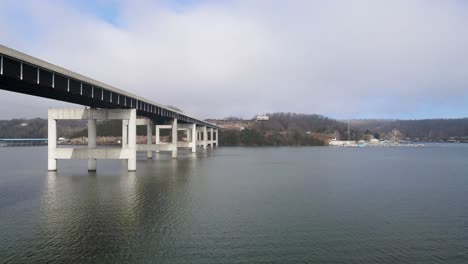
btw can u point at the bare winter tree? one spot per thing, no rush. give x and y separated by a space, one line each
394 135
336 135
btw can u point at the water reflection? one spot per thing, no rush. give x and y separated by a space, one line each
91 215
241 205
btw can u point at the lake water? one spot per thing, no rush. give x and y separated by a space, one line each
239 205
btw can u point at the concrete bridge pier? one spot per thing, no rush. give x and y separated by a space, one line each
92 134
194 138
191 136
211 137
52 144
149 138
149 147
131 146
203 140
163 146
124 133
157 137
205 137
92 153
174 138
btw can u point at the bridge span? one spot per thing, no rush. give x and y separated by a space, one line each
25 74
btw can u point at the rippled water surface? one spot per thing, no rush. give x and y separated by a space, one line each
239 205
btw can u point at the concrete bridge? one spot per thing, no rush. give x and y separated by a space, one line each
25 74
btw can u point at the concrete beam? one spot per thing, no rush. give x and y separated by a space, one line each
87 114
164 126
140 121
184 144
92 153
157 148
184 126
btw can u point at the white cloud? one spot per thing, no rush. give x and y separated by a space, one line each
217 58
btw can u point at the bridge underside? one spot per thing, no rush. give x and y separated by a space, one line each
90 98
22 73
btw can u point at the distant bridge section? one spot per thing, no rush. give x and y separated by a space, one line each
22 73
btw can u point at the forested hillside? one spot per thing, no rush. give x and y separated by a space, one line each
284 129
37 128
280 129
429 129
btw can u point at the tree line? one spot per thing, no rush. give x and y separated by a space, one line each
429 129
281 129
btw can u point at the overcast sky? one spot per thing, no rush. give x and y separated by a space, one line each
343 59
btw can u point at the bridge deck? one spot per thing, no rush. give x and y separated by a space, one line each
22 73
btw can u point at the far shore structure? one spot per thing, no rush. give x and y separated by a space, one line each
370 143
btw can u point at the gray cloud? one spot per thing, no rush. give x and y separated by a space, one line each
361 58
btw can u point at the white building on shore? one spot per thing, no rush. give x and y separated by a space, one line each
342 143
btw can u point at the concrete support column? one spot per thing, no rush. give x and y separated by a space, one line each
52 144
194 138
212 138
124 133
149 138
174 138
157 137
205 137
91 153
132 141
217 135
92 142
